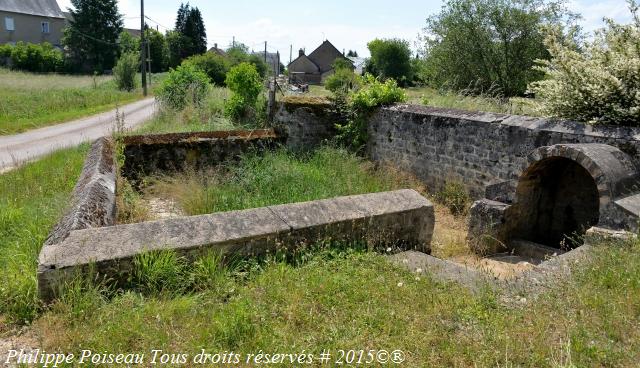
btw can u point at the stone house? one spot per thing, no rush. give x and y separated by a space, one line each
316 67
34 21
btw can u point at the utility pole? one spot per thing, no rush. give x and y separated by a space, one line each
149 59
143 53
290 53
265 51
233 43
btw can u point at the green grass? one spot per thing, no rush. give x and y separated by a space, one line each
32 199
278 177
431 97
29 101
357 300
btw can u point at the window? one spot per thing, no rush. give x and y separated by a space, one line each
45 27
8 24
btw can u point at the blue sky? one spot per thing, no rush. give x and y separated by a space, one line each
305 24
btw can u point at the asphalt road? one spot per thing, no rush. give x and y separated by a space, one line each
17 149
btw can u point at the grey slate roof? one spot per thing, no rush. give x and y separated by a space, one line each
44 8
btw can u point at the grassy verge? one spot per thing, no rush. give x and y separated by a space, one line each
32 199
29 101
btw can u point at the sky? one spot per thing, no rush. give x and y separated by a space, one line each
348 24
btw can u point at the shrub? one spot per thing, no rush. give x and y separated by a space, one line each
125 71
343 78
214 65
454 196
245 83
42 58
186 84
358 106
599 85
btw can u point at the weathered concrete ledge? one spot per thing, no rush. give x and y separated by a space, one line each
93 202
403 218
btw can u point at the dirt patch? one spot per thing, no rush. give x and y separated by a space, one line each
163 208
503 267
16 339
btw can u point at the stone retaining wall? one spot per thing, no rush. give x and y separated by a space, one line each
403 218
477 149
164 153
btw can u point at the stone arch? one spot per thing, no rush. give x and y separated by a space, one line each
566 188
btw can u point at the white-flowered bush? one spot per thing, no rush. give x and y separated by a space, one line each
598 83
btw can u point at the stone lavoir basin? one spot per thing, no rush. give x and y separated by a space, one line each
542 185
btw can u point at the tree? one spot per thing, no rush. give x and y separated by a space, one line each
129 43
159 50
390 58
92 34
175 44
245 83
352 53
239 53
214 65
489 45
191 37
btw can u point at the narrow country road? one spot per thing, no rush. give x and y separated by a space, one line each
17 149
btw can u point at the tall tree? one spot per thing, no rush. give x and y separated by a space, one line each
190 36
195 31
92 35
490 45
390 58
159 50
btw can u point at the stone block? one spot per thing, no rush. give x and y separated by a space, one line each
489 229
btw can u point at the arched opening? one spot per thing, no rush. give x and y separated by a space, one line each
557 201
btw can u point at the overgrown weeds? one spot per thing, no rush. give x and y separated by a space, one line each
455 196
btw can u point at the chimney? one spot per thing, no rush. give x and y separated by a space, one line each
215 46
301 52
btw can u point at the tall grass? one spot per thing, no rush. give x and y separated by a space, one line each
32 199
279 177
29 101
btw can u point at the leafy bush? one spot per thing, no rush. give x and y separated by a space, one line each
343 78
125 71
184 85
489 45
599 85
39 58
214 65
454 196
356 108
245 83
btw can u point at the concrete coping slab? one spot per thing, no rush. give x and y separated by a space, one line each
403 215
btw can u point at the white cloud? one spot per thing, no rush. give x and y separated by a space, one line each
592 14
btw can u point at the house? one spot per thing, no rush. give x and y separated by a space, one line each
34 21
272 60
316 67
217 50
